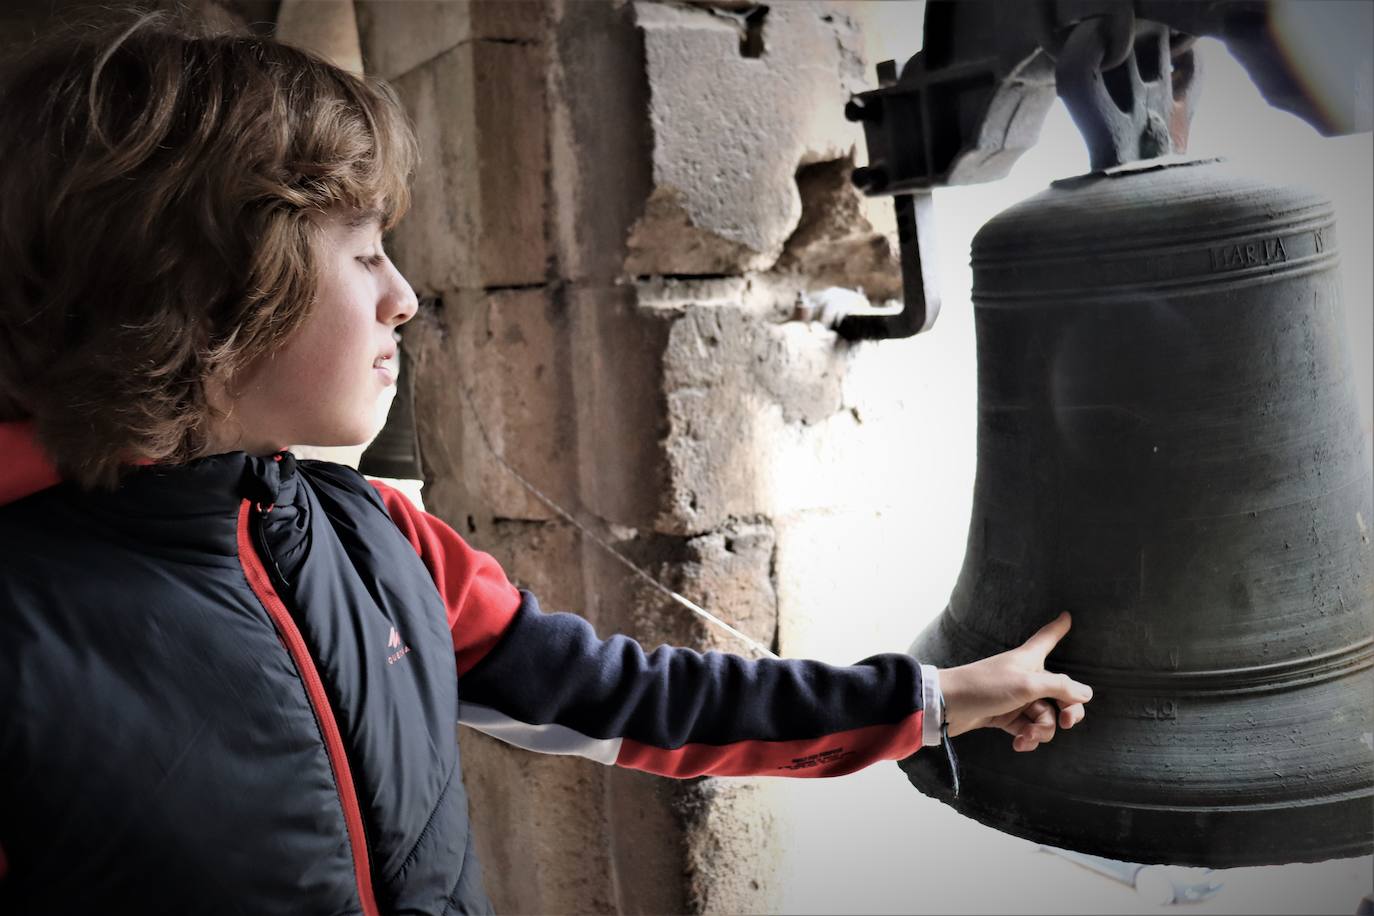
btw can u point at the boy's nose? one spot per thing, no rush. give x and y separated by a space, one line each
400 304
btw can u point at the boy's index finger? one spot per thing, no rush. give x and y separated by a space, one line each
1048 636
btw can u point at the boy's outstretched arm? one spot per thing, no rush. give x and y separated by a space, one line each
547 682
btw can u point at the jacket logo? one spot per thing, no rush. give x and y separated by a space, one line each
398 650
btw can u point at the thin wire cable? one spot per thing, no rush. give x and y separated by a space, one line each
692 606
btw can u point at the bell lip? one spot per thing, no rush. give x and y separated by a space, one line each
1031 805
1149 835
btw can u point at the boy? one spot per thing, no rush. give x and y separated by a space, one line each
230 679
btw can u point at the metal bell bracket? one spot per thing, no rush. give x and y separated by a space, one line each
1127 84
972 100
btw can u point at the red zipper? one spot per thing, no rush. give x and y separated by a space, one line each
291 637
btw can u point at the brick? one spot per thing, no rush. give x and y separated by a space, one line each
479 196
399 35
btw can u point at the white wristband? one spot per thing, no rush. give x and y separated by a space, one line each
932 706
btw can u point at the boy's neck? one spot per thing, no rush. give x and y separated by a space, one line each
229 437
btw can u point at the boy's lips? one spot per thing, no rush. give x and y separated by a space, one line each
385 365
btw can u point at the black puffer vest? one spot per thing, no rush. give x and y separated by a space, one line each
228 687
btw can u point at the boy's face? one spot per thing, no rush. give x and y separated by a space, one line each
327 385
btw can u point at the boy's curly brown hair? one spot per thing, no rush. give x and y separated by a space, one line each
160 189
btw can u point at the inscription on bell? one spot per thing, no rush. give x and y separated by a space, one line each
1154 708
1248 254
1128 705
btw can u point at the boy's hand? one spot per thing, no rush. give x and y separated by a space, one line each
1012 691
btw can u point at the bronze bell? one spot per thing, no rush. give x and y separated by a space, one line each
1170 447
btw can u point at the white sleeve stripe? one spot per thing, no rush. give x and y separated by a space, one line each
544 739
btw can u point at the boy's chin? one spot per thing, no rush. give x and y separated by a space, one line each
352 434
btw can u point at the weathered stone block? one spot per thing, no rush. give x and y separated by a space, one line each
328 28
729 572
478 212
617 365
542 556
399 35
492 384
674 153
690 416
743 396
599 138
735 109
540 827
733 848
693 846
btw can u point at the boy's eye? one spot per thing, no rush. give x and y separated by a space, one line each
373 260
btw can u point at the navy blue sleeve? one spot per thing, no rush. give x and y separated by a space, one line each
551 684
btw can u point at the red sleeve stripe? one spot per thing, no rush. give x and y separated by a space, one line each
832 755
478 599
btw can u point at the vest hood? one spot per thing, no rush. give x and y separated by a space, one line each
214 481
